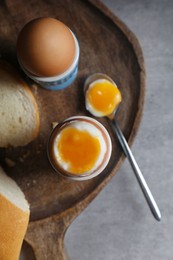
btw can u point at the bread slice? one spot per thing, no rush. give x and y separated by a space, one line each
14 218
19 114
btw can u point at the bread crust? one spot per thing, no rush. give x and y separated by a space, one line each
13 226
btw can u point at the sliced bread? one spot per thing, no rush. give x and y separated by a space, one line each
14 218
19 114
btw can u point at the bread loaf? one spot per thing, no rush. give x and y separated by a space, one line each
19 114
14 217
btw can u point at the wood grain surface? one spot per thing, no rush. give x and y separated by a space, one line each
106 46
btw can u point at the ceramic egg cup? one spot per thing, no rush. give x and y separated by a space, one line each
60 81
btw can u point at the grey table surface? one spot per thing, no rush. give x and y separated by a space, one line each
118 224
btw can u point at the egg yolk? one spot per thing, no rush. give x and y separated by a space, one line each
103 96
79 149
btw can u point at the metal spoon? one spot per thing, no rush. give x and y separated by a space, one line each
127 151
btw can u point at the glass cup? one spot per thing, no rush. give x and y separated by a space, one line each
79 148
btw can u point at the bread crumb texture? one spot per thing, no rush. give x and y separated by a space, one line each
19 114
10 162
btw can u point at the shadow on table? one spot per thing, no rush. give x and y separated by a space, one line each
26 252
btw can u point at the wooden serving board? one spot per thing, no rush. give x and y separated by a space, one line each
106 46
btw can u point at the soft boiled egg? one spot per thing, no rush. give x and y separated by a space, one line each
102 97
45 47
79 148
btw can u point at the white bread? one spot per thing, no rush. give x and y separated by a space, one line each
14 218
19 114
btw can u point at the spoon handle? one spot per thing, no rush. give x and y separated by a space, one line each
146 191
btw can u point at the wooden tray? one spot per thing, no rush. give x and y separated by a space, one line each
106 46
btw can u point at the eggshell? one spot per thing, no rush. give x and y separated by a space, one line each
45 47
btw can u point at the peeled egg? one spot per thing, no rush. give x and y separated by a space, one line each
102 97
45 47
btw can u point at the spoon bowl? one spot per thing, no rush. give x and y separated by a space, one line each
99 76
125 147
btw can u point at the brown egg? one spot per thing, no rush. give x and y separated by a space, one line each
45 47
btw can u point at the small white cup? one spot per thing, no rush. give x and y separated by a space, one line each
99 130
